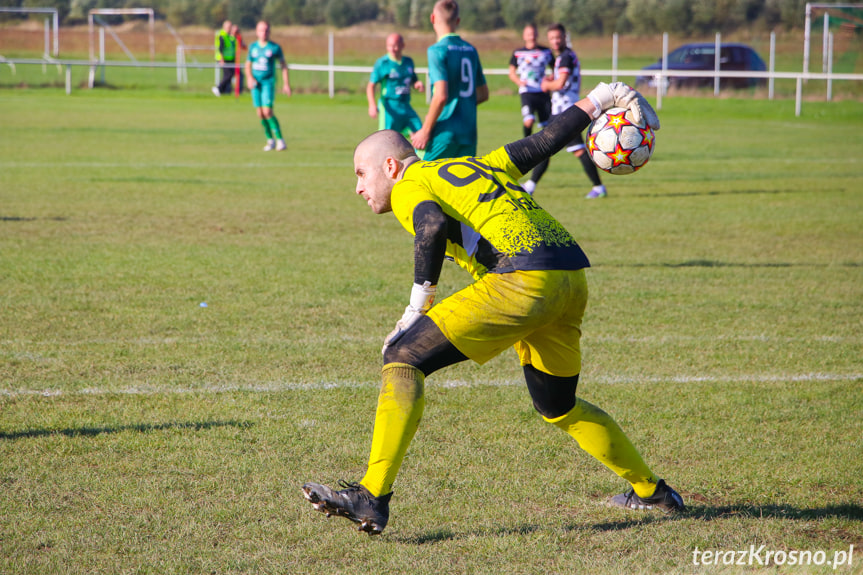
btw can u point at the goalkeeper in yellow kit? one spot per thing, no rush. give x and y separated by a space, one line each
530 292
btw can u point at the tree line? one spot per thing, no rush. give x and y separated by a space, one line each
584 17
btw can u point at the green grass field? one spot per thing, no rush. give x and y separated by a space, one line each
143 433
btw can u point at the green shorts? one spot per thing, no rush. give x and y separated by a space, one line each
398 116
264 92
446 147
538 312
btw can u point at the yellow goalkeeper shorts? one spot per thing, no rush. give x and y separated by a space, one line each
538 312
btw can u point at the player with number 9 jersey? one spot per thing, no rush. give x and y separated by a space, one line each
456 62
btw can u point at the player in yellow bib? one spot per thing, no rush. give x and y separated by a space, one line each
530 292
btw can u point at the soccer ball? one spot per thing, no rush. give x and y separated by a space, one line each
617 143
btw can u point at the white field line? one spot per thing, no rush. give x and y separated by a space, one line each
648 339
180 165
277 387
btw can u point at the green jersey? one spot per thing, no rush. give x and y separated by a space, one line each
456 62
395 78
263 59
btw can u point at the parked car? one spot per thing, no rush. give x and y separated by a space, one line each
702 56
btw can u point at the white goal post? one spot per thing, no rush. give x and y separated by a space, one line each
55 17
182 65
149 12
810 6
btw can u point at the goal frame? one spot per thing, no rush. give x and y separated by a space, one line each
807 32
149 12
55 18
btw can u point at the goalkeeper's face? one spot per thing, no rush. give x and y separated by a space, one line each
374 180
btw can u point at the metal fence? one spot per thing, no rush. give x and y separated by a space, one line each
182 65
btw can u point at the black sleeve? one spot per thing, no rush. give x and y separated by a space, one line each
430 227
568 60
528 152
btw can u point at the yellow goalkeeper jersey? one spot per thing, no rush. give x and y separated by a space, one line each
493 225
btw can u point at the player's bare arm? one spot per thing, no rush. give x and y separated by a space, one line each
550 84
286 80
482 94
420 139
250 80
513 76
372 99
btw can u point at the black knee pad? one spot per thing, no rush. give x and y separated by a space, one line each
552 396
425 347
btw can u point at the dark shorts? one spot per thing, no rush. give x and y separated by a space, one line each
536 105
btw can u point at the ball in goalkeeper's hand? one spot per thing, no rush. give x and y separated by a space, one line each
618 144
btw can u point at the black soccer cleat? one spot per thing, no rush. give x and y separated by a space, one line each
354 502
664 498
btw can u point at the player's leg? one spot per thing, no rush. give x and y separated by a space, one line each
450 333
594 430
551 359
268 95
447 335
527 116
579 150
541 104
266 114
227 75
257 101
422 350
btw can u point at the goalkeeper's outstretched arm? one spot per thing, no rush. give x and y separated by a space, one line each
528 152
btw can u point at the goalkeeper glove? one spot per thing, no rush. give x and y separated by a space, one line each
422 298
619 95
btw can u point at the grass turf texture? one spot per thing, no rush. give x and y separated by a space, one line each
141 432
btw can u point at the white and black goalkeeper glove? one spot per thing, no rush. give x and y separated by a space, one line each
619 95
422 298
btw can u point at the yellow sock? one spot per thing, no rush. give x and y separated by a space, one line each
400 408
599 435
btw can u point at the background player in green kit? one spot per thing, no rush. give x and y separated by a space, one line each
530 293
457 85
261 79
396 75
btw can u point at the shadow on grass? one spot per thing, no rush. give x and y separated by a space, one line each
842 511
698 512
23 219
141 427
722 193
718 264
440 535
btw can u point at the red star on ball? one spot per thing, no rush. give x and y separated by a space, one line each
591 143
619 156
617 121
647 137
